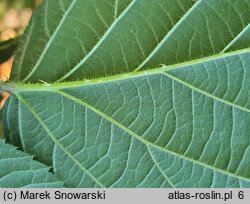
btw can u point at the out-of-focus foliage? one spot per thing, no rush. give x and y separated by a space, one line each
17 5
14 17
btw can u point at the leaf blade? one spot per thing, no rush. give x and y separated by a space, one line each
147 128
20 170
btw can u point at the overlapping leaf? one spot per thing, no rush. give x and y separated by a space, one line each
136 93
20 170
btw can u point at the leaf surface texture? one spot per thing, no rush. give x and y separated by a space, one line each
136 93
18 169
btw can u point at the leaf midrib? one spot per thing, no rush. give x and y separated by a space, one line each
110 28
44 86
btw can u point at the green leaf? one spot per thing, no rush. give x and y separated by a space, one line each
135 93
18 169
